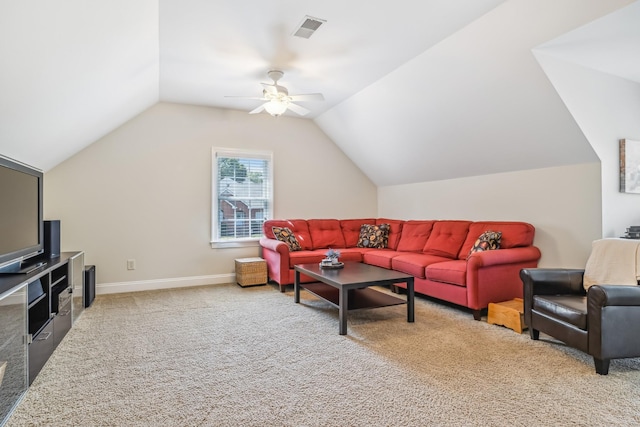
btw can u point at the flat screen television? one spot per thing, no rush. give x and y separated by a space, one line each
21 222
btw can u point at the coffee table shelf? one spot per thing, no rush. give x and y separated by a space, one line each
358 298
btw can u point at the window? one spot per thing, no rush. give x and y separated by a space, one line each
242 194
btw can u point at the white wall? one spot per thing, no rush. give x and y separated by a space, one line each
607 109
143 192
563 203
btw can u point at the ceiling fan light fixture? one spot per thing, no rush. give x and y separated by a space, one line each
278 100
276 107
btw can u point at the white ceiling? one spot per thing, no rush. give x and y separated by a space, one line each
476 103
449 86
610 44
209 49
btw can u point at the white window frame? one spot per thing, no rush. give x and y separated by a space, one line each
237 153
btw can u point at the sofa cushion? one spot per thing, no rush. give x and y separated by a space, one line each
306 257
487 241
414 263
380 257
514 234
284 234
453 272
570 308
373 236
317 255
351 230
446 238
395 230
326 233
297 226
352 254
414 235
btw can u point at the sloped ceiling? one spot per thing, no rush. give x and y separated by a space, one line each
610 44
415 90
72 71
476 103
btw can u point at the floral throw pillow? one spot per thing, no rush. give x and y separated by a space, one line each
285 235
374 236
489 240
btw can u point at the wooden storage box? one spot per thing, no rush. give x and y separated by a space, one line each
507 313
251 271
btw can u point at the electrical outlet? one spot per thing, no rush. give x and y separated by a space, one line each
131 264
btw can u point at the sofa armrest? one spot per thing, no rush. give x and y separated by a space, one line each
274 245
276 254
504 256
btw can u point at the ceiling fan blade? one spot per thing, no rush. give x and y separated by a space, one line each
307 97
297 109
260 109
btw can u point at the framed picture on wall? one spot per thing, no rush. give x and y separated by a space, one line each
629 166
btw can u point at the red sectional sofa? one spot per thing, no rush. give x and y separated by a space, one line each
435 252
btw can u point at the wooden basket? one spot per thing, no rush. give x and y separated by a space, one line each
251 271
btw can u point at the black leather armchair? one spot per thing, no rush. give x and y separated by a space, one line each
604 322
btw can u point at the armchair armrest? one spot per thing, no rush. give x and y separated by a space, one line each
614 323
609 295
552 281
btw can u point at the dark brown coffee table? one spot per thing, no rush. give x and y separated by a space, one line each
348 288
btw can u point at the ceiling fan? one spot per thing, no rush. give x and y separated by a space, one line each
277 98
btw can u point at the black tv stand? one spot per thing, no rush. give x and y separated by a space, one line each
37 309
30 268
24 267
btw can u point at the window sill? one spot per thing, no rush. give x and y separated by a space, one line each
249 243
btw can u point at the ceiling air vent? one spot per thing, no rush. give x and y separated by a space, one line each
308 26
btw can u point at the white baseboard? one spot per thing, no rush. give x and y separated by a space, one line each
149 285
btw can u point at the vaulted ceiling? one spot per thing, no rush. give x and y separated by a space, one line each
430 89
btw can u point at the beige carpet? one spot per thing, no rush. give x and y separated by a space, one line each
227 356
